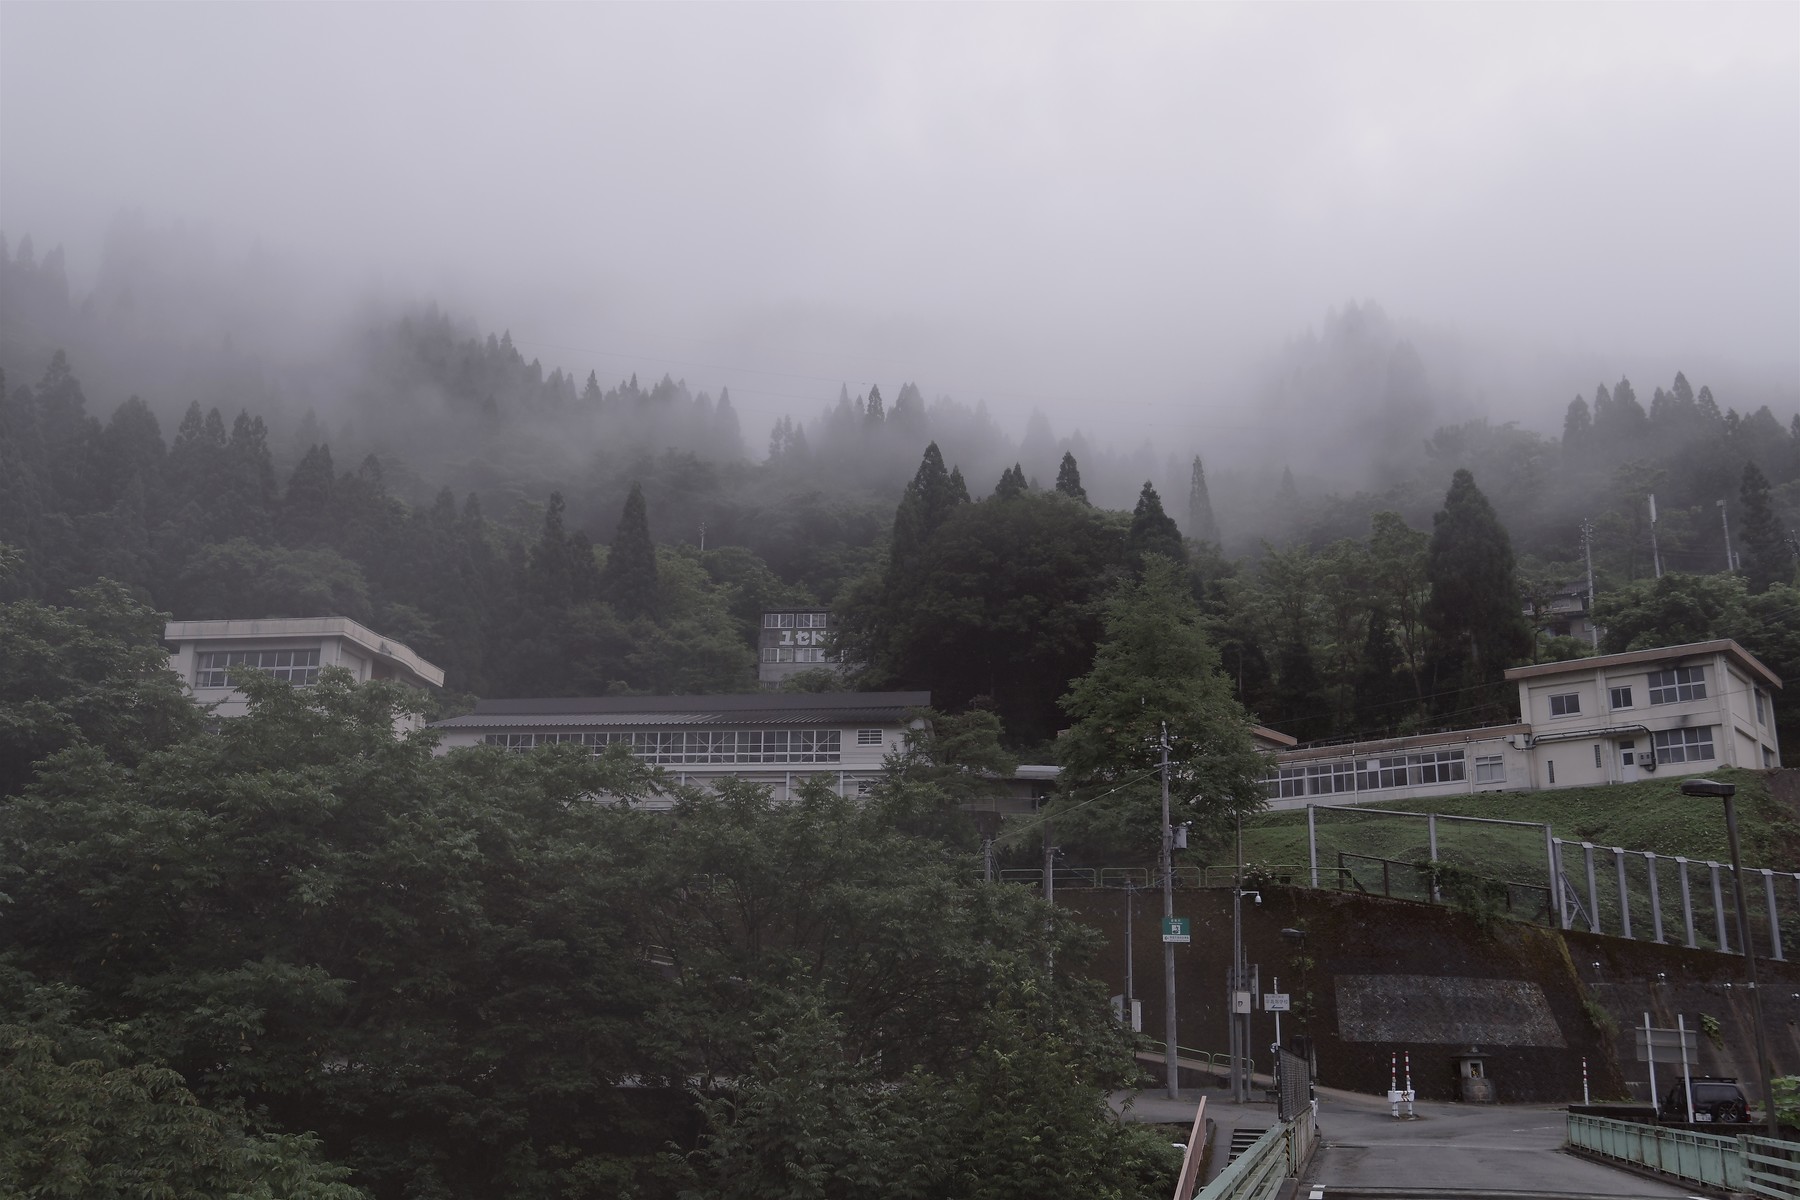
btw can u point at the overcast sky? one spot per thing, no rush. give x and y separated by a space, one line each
1101 211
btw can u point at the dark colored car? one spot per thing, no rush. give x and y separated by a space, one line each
1718 1100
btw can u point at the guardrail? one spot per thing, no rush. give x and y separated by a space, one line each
1277 1156
1763 1166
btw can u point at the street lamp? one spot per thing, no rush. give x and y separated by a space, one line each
1725 792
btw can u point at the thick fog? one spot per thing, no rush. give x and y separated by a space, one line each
1135 220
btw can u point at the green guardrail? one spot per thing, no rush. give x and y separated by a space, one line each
1277 1156
1757 1165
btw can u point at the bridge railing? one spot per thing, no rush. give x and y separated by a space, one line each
1757 1165
1274 1158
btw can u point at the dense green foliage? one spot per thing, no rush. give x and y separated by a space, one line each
1156 676
298 952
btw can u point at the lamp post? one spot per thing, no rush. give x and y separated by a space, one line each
1725 792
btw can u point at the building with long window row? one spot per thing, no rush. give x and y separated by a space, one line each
1614 718
781 739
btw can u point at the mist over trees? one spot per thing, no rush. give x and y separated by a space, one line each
537 530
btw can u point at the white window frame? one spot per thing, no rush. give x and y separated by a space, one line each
1565 704
1691 744
296 665
1677 684
1620 697
1490 768
868 737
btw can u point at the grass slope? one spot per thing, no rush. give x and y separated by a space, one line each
1647 815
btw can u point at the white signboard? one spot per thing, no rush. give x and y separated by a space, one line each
1275 1002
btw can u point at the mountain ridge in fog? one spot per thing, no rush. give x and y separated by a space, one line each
1348 405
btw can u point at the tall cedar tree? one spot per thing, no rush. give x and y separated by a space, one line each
1202 525
928 499
1768 560
1012 483
1474 611
630 580
1068 479
1153 531
1155 666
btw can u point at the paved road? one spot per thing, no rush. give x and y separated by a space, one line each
1466 1147
1501 1150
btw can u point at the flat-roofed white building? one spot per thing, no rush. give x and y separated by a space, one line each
1678 709
1614 718
777 738
206 654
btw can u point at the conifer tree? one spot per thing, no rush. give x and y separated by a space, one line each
550 568
630 580
1202 525
1474 612
1768 560
1068 479
1153 531
1012 483
306 510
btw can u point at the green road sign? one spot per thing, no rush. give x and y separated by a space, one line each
1177 929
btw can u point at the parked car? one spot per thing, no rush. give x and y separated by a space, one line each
1717 1100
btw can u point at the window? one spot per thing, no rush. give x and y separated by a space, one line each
1440 766
1627 754
1620 697
1683 745
1490 768
868 737
864 787
1566 705
1597 762
1381 773
1762 712
1550 766
1286 783
1768 758
299 667
771 620
1679 683
689 746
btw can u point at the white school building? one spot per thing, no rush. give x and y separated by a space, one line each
1614 718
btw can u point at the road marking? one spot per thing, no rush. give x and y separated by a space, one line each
1318 1192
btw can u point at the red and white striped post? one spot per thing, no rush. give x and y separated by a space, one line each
1584 1082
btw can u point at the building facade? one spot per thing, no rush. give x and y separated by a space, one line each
211 655
778 739
794 640
1614 718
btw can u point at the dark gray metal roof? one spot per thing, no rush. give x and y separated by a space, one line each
764 708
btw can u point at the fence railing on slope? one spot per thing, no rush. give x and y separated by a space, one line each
1634 896
1637 894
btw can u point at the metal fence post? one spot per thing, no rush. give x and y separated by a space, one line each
1587 856
1687 901
1774 917
1555 875
1431 838
1656 928
1719 907
1624 894
1312 845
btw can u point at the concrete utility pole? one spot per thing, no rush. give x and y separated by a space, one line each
1655 553
1240 1045
1730 558
1587 552
1168 882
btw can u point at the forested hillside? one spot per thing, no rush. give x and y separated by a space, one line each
539 532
